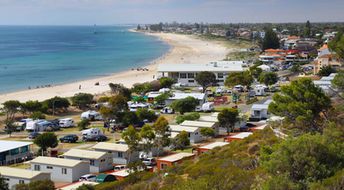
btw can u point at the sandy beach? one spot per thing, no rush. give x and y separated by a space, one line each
184 49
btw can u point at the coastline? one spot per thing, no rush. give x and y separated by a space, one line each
184 49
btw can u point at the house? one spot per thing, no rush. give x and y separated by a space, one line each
120 152
238 136
193 132
14 176
201 97
209 118
12 152
326 60
185 73
61 170
260 111
173 159
99 161
202 124
205 148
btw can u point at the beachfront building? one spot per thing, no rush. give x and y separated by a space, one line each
14 176
99 161
173 159
61 170
194 133
12 152
211 146
202 124
120 152
185 73
201 97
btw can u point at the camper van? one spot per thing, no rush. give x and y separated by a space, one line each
39 125
207 107
67 122
135 106
91 115
91 132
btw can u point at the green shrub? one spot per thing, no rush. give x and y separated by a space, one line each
190 116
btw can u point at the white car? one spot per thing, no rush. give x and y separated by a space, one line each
119 167
88 177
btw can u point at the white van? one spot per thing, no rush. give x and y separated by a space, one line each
91 115
66 122
208 106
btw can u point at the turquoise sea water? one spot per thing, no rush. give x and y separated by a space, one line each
41 55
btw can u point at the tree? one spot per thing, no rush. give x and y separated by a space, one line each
86 187
118 103
239 78
302 104
56 103
296 68
45 141
306 159
255 71
3 183
268 78
145 114
270 40
106 112
338 81
207 132
147 134
227 118
37 185
11 107
187 104
206 79
181 141
132 139
83 124
119 89
129 118
10 127
191 117
166 82
161 98
326 70
308 31
162 133
37 115
82 100
337 45
141 88
32 106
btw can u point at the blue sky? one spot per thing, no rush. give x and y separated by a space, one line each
85 12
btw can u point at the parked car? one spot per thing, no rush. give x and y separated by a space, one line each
119 167
167 110
98 138
69 138
88 177
33 135
149 161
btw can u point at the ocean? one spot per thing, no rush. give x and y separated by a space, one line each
32 56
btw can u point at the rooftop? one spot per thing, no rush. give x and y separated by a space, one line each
241 135
111 147
176 157
181 95
214 145
259 106
203 124
179 128
87 154
208 118
121 173
18 173
56 161
219 66
9 145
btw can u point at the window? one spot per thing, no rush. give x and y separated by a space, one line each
37 168
64 170
189 134
182 75
92 162
21 181
120 154
102 160
191 81
49 167
163 165
191 75
220 75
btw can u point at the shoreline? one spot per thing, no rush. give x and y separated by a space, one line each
183 49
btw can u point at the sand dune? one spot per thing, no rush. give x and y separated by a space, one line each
185 49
